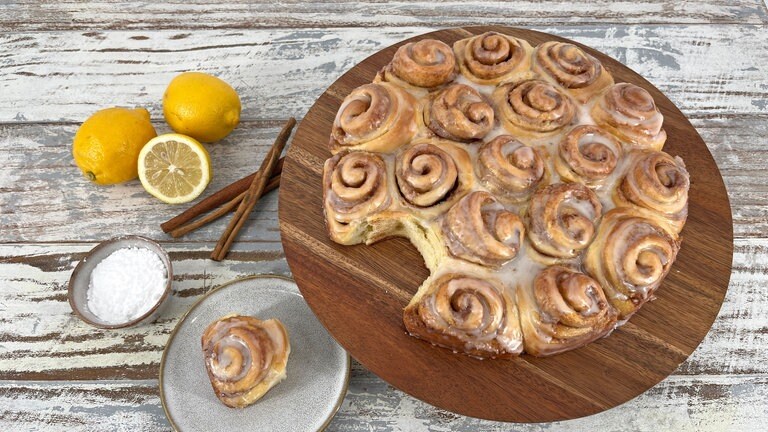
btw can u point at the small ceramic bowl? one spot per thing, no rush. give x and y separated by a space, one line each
81 277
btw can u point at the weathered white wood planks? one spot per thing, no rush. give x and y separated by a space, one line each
698 403
61 61
66 76
221 14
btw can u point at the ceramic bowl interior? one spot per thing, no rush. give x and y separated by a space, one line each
81 276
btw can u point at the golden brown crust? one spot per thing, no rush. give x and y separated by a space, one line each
467 314
511 169
630 113
501 174
533 108
244 357
629 257
564 310
354 188
375 117
659 183
567 65
588 155
479 229
562 219
428 64
491 58
459 113
432 174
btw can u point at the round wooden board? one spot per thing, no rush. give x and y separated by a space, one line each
359 292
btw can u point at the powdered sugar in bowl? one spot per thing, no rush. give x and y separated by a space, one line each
122 282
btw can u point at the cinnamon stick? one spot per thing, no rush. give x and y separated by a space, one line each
220 197
253 193
177 232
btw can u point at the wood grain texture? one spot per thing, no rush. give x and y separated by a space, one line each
60 61
354 290
222 14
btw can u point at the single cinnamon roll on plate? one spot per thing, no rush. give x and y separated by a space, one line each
459 113
588 155
511 169
630 257
425 64
479 229
491 58
659 183
562 220
244 357
629 112
354 188
375 117
564 309
468 314
533 108
567 65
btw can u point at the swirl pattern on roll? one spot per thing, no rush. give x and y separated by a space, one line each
492 57
562 219
426 174
629 112
571 67
459 113
479 229
468 314
657 182
568 309
244 357
427 63
533 107
587 154
355 188
509 168
630 257
374 117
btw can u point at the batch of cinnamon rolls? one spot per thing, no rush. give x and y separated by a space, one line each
534 186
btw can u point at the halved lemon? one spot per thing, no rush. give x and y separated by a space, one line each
175 168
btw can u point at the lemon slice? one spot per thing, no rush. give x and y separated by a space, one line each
175 168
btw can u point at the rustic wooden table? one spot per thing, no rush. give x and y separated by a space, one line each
61 61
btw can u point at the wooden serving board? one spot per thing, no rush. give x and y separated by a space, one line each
359 292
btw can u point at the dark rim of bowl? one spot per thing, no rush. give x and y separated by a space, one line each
162 253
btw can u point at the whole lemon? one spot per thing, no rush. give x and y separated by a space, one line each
107 145
201 106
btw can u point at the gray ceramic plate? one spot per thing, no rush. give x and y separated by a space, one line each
318 368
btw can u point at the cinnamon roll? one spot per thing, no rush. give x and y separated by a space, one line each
659 183
428 63
630 113
562 219
355 187
532 108
479 229
582 75
491 58
511 169
629 257
459 113
432 174
467 314
244 357
565 309
587 154
374 117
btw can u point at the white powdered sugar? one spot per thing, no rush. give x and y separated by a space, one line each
126 285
